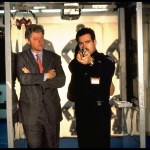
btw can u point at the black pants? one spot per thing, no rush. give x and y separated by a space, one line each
93 125
42 134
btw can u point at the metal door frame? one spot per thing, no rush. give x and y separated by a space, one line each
8 62
141 85
123 69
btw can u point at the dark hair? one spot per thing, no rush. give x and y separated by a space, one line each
84 31
33 28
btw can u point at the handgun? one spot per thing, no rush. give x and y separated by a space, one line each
82 51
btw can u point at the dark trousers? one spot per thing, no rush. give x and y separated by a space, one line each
42 134
93 125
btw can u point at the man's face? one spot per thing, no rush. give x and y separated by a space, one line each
36 41
87 43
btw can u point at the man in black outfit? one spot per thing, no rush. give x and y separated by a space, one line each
91 77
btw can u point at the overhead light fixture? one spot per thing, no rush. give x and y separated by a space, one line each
70 11
94 10
39 7
71 4
1 11
70 14
50 11
100 6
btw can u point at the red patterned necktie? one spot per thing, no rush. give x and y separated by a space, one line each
39 64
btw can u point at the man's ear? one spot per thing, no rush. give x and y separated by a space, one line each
28 42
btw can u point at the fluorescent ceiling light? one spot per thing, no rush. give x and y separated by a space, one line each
39 7
100 6
83 10
51 10
35 11
1 11
58 10
71 4
94 10
12 11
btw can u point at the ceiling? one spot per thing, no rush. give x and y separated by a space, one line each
56 5
25 6
83 6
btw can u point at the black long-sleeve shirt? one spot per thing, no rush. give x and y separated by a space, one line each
80 83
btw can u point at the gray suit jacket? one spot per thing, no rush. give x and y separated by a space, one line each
34 90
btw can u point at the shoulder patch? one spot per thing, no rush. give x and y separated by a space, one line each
110 58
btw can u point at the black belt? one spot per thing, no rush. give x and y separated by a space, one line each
99 103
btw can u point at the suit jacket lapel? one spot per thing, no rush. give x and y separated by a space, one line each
45 61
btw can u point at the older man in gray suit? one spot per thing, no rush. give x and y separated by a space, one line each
39 99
